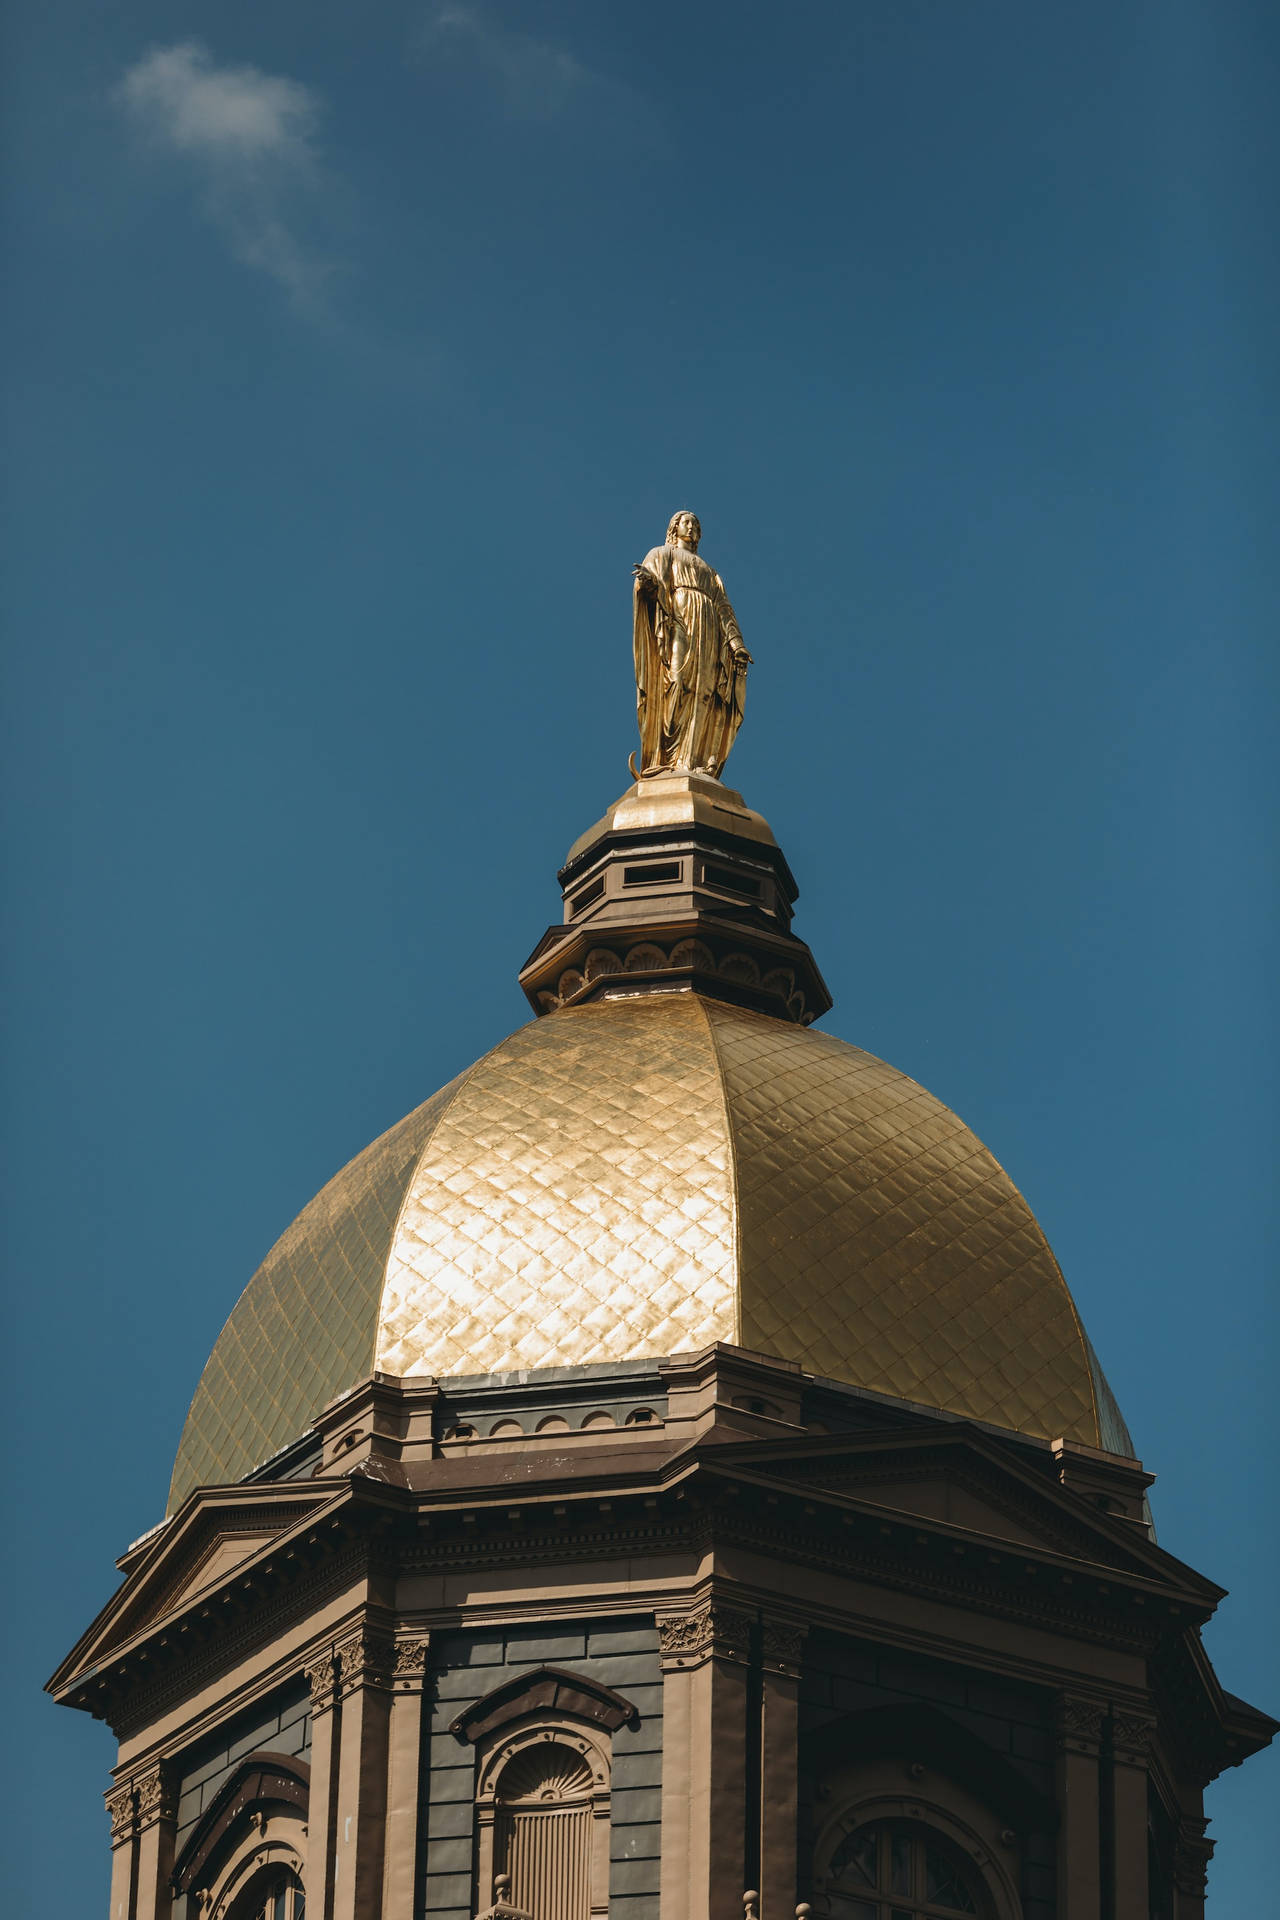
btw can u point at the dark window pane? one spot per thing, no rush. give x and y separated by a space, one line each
854 1860
944 1885
900 1864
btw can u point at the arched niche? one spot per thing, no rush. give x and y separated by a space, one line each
542 1818
544 1755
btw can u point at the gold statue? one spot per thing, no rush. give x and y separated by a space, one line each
691 664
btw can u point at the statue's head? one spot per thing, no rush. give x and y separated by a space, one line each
684 527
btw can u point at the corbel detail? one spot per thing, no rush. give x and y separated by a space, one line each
711 1630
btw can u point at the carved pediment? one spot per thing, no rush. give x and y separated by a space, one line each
217 1536
965 1479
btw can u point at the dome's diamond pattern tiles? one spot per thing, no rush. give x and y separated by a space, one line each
644 1176
882 1243
303 1329
575 1204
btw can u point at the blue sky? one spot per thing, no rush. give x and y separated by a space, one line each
355 354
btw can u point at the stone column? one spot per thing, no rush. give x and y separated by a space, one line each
1191 1854
404 1778
122 1807
1080 1723
782 1654
157 1829
705 1659
1130 1745
322 1680
364 1661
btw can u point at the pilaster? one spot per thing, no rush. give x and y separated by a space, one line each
782 1655
1131 1736
122 1810
1079 1744
157 1829
705 1658
325 1716
404 1768
364 1664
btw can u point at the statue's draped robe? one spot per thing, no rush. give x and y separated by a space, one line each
691 665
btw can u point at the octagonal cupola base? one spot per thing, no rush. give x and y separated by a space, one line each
679 886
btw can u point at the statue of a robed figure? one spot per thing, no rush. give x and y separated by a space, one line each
691 664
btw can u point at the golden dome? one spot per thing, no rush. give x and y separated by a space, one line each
643 1176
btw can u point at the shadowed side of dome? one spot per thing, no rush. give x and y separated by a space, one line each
883 1245
304 1328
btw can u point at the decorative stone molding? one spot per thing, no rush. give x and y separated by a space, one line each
410 1668
122 1812
1080 1724
1131 1737
686 957
321 1680
782 1647
555 1693
686 1639
157 1794
1191 1855
365 1659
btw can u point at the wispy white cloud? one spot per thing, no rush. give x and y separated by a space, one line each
536 76
250 139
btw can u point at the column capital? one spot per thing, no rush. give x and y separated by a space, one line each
710 1629
1079 1724
409 1671
157 1794
122 1811
365 1658
1131 1738
322 1681
782 1646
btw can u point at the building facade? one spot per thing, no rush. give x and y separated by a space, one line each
664 1476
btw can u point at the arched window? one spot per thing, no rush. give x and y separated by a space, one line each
274 1895
899 1870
